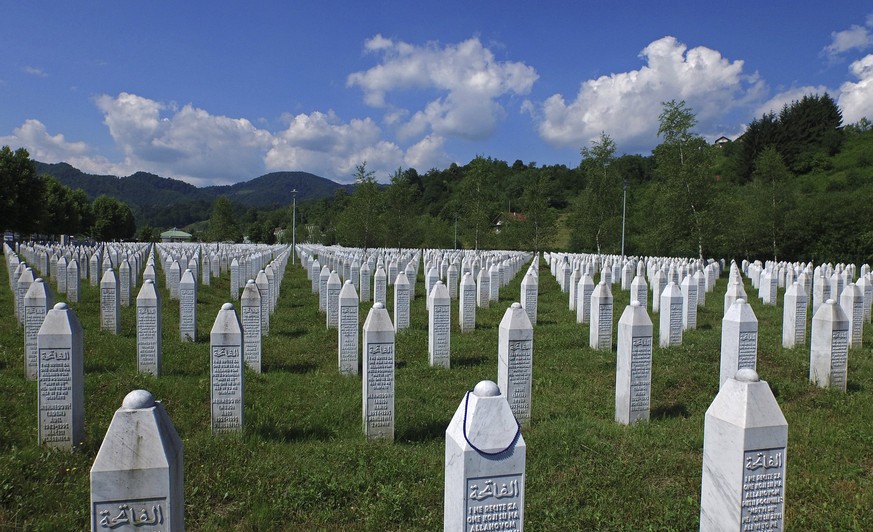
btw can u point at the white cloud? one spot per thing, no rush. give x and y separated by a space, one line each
856 98
427 153
467 76
42 146
34 71
855 38
322 144
626 105
188 143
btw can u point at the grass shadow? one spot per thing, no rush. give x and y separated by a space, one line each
433 430
299 368
294 333
468 362
269 431
674 410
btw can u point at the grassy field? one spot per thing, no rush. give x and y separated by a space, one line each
302 462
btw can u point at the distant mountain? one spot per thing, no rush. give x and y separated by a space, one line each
144 191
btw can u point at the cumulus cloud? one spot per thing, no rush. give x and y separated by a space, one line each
626 105
189 142
469 79
780 100
323 144
34 71
855 38
427 153
856 98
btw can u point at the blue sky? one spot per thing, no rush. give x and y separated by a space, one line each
221 92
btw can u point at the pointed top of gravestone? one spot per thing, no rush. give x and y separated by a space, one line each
38 280
149 281
60 306
138 399
378 305
516 305
635 303
348 281
227 306
486 389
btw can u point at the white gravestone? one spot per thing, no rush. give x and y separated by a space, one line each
452 281
94 269
347 342
529 295
206 271
227 377
137 480
852 303
515 361
378 378
639 290
670 317
333 287
149 345
494 283
483 289
250 310
584 289
188 307
467 303
37 302
659 282
735 290
794 316
484 464
439 328
365 282
110 309
61 385
25 280
600 331
829 347
323 278
174 274
744 463
380 286
401 302
234 279
62 275
263 285
739 340
633 368
689 303
124 283
74 282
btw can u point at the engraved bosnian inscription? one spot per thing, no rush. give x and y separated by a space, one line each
441 332
519 370
494 503
138 514
747 357
333 307
348 338
800 322
33 318
675 323
226 388
604 325
402 308
55 395
469 305
857 321
107 308
251 322
641 373
380 387
763 498
146 336
839 358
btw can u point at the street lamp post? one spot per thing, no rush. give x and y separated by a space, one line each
623 214
294 228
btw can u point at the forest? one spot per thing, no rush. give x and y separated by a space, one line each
794 186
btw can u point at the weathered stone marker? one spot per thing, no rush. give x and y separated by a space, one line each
670 316
380 286
137 480
439 328
234 279
515 361
124 287
263 285
794 316
829 347
333 287
852 303
149 346
378 378
226 371
529 296
744 441
739 340
633 369
110 309
600 332
250 307
74 282
37 302
347 342
467 303
401 302
583 298
61 384
188 307
484 464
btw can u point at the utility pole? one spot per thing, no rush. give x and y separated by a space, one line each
294 228
623 214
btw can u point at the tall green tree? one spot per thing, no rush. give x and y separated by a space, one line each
773 196
360 224
477 202
66 211
21 192
684 161
113 220
402 211
598 211
222 222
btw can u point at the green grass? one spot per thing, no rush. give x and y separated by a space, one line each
302 461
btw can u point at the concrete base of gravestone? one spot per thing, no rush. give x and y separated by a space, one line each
484 464
137 477
744 463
